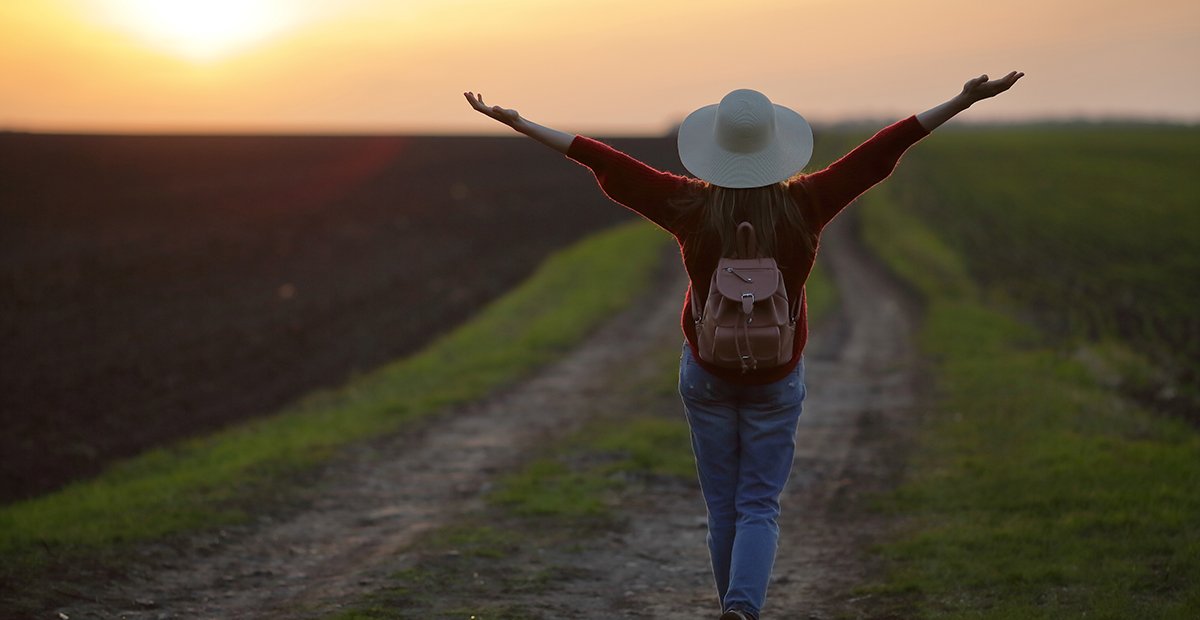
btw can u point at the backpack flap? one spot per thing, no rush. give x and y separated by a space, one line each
747 281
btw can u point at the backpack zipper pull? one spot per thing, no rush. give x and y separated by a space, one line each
740 276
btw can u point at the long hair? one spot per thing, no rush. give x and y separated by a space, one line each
770 209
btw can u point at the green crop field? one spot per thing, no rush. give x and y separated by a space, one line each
1058 266
1093 232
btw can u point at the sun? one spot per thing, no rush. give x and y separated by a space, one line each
200 30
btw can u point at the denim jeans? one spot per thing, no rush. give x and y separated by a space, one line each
744 439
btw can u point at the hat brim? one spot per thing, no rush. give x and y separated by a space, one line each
785 154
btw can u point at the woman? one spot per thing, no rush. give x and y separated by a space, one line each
746 154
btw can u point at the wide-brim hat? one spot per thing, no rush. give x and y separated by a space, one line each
745 141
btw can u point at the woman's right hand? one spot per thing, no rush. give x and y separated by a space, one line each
504 115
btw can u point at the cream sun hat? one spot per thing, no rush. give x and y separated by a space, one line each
744 141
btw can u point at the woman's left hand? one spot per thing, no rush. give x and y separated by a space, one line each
504 115
981 87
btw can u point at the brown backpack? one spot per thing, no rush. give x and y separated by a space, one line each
746 322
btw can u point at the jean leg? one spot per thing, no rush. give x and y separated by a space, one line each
709 403
767 432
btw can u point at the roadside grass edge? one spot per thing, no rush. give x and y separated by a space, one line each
1035 491
210 481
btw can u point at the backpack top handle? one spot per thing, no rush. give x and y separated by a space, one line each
747 241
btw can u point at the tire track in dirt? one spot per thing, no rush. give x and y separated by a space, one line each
369 506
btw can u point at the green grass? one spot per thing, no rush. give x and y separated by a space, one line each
1092 232
1036 491
210 481
820 295
586 471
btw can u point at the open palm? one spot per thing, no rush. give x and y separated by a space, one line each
981 87
504 115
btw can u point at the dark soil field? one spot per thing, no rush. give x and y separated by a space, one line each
154 288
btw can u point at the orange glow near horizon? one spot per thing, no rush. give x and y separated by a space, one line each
610 66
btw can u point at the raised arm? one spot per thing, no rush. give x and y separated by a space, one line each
552 138
974 90
828 191
639 187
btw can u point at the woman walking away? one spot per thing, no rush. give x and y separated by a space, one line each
748 228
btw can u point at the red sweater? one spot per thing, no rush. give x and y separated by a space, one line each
820 196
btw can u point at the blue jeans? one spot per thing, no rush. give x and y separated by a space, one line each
744 439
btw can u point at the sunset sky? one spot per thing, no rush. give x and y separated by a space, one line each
605 67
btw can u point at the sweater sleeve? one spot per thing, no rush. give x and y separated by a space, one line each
831 189
629 182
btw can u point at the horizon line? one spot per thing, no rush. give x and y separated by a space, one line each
860 122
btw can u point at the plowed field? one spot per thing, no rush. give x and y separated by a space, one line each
153 288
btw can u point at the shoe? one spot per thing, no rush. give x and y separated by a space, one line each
736 614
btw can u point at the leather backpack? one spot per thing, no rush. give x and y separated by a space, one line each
747 322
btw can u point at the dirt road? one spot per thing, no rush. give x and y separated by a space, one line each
861 375
368 507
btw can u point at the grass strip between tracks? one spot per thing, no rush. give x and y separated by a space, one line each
646 445
542 519
1036 490
212 480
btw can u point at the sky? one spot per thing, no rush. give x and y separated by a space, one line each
611 67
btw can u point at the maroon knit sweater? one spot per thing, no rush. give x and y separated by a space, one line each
820 196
